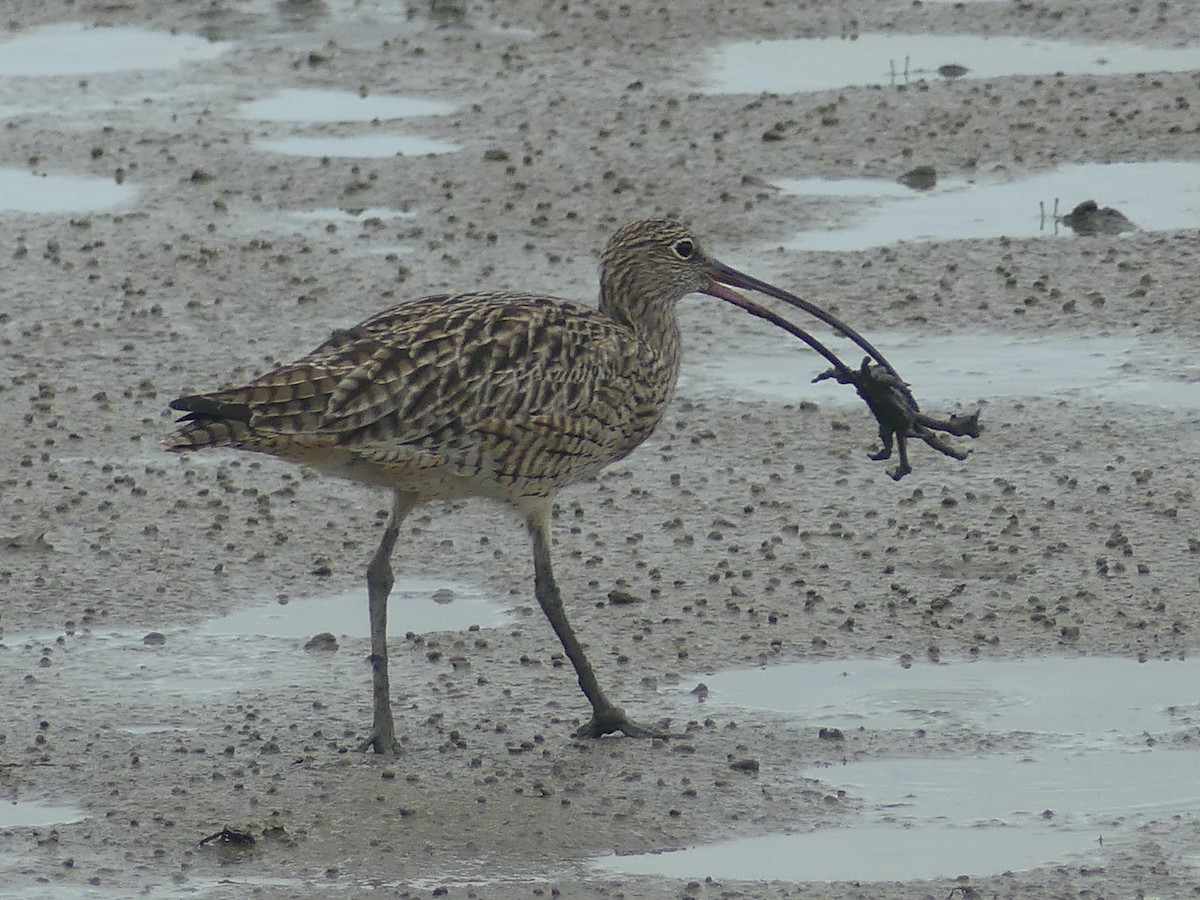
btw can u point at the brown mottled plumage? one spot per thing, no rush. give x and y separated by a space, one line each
495 394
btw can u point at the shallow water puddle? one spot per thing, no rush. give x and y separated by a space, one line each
329 214
820 64
364 225
304 24
1089 775
865 853
997 813
252 651
416 605
1094 696
317 106
368 146
314 106
1155 196
367 231
27 814
960 367
79 49
1077 788
31 192
309 15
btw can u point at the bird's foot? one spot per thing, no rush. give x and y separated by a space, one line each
612 720
382 740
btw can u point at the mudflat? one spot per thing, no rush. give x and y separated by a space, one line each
176 235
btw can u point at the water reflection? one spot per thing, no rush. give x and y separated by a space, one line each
33 192
417 605
1094 696
820 64
875 212
967 366
1089 775
312 106
28 814
370 146
78 49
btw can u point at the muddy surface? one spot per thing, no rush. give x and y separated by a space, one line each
751 529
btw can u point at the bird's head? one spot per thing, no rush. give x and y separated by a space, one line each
649 265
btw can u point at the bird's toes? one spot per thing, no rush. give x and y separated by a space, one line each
615 720
638 730
382 744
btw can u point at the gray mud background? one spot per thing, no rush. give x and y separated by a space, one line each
752 531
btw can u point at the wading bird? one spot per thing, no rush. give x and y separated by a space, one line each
497 394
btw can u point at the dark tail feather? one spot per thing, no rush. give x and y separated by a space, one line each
208 423
202 406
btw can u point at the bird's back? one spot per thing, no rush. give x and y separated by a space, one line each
486 393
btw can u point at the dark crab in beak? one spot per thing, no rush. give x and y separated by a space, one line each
877 382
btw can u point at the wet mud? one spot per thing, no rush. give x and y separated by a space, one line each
168 730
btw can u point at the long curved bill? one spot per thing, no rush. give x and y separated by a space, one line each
721 278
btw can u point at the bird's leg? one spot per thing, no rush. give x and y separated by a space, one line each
379 587
607 717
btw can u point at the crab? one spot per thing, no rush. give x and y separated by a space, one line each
895 408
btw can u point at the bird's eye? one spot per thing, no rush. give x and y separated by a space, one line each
684 249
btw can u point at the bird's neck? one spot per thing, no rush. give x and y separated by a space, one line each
661 342
653 323
645 314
